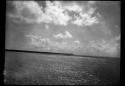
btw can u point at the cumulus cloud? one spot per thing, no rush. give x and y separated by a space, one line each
28 8
61 36
39 41
108 47
73 7
55 12
104 46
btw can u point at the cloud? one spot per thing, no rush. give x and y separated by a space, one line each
94 46
109 47
61 36
73 7
38 41
32 8
55 12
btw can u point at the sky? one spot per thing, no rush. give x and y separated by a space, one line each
80 27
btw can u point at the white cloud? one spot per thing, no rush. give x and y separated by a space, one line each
68 34
58 36
55 12
31 6
109 47
39 41
73 7
63 36
47 26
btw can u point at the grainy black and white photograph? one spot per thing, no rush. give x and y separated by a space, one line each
62 42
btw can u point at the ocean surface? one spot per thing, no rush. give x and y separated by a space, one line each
51 69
